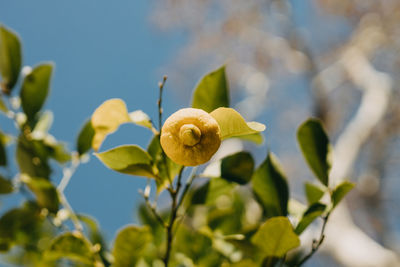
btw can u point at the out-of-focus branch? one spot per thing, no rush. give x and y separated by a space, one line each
347 242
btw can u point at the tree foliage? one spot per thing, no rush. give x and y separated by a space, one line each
211 221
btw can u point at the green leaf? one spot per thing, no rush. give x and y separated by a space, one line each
20 226
72 246
238 167
212 91
130 244
43 125
85 138
313 192
270 187
162 163
314 144
128 159
6 186
35 89
10 58
275 237
107 118
312 213
232 124
3 106
95 235
140 118
210 191
32 157
45 192
341 191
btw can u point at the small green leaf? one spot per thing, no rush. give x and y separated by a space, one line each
59 152
85 138
95 235
35 89
6 186
212 91
238 167
72 246
314 144
10 58
270 186
341 191
312 213
107 118
210 191
313 192
167 169
45 192
275 237
128 159
130 244
32 157
3 106
232 124
140 118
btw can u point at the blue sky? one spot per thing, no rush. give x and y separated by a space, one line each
100 51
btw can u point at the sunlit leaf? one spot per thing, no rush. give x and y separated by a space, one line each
10 58
85 138
314 144
128 159
341 191
107 118
312 213
232 124
129 245
210 191
45 192
313 192
35 88
72 246
256 138
275 237
212 91
167 169
6 186
238 167
270 186
140 118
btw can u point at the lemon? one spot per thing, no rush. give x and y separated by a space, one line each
190 137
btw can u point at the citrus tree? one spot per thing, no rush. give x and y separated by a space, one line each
221 211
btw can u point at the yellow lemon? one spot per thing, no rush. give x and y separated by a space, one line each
190 136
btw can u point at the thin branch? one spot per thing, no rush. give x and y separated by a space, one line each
316 243
152 207
174 210
160 110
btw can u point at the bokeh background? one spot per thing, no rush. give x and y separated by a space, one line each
286 61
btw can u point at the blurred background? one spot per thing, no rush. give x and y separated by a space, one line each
286 61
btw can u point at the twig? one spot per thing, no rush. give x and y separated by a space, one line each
174 210
316 243
67 174
160 110
189 182
151 206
